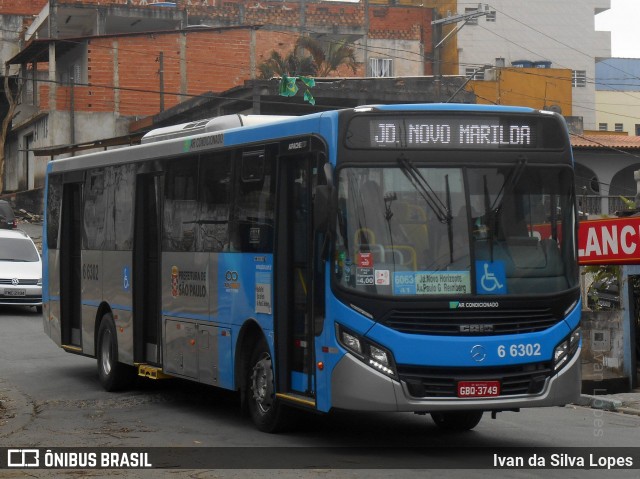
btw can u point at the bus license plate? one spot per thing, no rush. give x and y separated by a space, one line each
15 292
478 389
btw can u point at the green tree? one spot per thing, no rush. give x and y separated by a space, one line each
324 57
330 55
290 65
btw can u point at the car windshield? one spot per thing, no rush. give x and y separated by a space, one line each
6 211
409 231
17 249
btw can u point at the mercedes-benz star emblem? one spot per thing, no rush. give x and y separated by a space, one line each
478 353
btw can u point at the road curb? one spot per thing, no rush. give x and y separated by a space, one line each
629 410
600 402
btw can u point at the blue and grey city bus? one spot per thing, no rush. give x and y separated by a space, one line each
417 258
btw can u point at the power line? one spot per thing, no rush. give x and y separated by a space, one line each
309 31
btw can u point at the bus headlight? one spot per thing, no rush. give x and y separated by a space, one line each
351 342
370 353
566 349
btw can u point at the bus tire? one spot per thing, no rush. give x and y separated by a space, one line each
113 375
266 411
457 421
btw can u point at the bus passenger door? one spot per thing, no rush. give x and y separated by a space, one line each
294 268
71 266
146 270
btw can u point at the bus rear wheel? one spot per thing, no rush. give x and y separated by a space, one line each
266 411
113 375
457 421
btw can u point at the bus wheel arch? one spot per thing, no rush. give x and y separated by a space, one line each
113 375
248 337
266 411
255 375
103 310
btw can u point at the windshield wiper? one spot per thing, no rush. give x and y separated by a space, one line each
419 182
441 210
510 183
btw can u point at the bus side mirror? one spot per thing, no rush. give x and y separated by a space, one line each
323 203
322 208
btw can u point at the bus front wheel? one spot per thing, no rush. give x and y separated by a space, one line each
266 411
457 421
112 374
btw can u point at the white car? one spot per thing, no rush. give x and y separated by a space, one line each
20 270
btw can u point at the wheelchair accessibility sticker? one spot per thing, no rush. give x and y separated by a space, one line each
490 277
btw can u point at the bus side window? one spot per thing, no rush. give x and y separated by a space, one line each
120 182
254 203
94 211
214 196
54 202
181 206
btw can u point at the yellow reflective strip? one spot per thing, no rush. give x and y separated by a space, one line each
286 397
75 349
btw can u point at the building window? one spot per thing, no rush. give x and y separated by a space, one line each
579 78
380 67
491 16
619 127
637 129
603 126
474 73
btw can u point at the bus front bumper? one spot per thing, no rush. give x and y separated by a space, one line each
355 386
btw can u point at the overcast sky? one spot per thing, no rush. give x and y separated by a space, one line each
623 20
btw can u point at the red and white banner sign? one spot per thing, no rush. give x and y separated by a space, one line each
609 241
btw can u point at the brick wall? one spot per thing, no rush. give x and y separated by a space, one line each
408 23
21 7
216 61
219 60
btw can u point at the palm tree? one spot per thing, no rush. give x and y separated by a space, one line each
291 65
326 57
330 55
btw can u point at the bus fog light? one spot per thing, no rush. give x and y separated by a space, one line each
381 367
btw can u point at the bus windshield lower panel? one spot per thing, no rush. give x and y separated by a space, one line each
411 231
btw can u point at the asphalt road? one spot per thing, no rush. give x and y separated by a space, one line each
53 399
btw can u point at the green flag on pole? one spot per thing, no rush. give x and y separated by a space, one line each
288 86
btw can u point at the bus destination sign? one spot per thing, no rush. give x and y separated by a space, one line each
438 132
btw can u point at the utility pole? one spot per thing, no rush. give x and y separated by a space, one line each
161 74
437 25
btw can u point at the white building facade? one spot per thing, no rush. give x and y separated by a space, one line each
559 34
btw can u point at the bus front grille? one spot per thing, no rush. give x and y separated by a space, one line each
429 382
471 322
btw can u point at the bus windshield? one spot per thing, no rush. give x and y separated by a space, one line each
411 231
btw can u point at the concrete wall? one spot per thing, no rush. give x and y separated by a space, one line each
602 344
544 30
533 87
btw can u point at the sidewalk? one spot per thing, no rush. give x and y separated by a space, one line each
627 403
